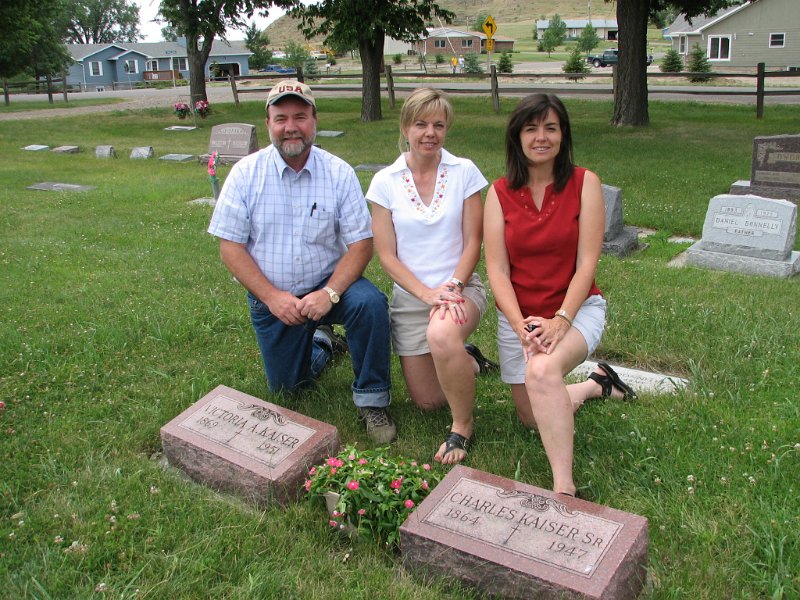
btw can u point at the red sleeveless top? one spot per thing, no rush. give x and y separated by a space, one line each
542 245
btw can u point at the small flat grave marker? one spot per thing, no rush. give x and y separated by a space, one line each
180 128
142 152
204 201
67 149
36 148
372 168
177 157
330 134
514 540
50 186
105 152
748 234
640 381
238 443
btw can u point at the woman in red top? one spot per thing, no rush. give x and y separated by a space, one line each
543 234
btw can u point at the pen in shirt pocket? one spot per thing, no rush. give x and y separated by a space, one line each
313 208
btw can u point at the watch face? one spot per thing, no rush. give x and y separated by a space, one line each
334 297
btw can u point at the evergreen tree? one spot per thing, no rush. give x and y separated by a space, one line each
576 63
472 63
698 63
310 69
554 35
672 63
588 39
504 65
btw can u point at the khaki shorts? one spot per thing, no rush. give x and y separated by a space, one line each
409 316
590 322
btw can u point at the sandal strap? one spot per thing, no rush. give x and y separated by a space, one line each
455 441
604 381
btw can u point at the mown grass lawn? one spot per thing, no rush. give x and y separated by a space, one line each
117 315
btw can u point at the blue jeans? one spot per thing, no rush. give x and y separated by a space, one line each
293 359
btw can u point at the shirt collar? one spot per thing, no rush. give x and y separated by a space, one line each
281 165
400 164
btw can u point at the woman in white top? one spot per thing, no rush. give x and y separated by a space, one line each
427 227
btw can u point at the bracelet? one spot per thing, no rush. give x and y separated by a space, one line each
458 282
564 315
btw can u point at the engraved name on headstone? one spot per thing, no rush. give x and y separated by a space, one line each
232 141
775 169
748 234
514 540
235 442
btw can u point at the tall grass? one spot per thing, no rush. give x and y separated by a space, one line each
117 314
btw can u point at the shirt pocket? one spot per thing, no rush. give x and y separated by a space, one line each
320 229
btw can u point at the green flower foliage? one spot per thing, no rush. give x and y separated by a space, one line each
376 492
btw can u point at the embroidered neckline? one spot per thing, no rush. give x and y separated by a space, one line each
430 211
548 203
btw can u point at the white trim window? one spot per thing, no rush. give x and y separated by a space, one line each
131 67
180 64
440 43
151 65
777 40
466 43
96 68
682 44
719 47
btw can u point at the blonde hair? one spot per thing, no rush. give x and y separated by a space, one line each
423 101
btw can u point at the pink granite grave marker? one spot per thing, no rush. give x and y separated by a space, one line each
513 540
237 443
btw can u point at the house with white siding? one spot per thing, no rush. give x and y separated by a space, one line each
740 37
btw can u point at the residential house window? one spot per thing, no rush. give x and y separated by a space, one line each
466 43
180 64
682 44
96 68
777 40
152 65
440 43
131 66
719 47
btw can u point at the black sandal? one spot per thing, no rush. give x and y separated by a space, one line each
612 379
456 441
484 364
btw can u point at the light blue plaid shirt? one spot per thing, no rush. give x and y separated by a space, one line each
296 225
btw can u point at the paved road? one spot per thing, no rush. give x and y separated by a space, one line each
538 82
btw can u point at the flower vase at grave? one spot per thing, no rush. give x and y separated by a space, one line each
348 529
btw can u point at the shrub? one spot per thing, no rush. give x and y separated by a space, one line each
504 65
472 64
575 63
397 59
672 63
698 63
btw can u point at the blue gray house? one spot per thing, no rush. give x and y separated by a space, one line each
106 66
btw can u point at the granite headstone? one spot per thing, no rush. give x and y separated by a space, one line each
36 148
748 234
513 540
231 141
618 240
775 169
177 157
141 152
105 152
51 186
67 150
234 442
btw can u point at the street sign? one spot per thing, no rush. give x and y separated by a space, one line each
489 27
490 45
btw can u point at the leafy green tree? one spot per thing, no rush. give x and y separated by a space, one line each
169 34
672 63
477 24
201 21
258 43
504 65
554 35
698 63
397 58
576 63
439 60
296 55
630 74
472 64
588 40
101 21
362 24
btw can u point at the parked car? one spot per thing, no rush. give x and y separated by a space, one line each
278 54
278 69
318 55
609 57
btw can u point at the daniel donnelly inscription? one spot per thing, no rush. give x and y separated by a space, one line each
232 441
513 540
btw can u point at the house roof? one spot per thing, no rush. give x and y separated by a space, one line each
580 23
448 32
702 22
80 52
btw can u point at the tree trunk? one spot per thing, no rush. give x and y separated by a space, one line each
197 57
630 74
371 58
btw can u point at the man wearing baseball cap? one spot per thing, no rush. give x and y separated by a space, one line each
294 229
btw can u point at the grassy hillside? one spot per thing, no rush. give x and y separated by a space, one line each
514 18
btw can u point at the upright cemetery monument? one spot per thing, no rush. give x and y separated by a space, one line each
231 141
775 170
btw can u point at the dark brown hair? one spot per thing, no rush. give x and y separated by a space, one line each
529 110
